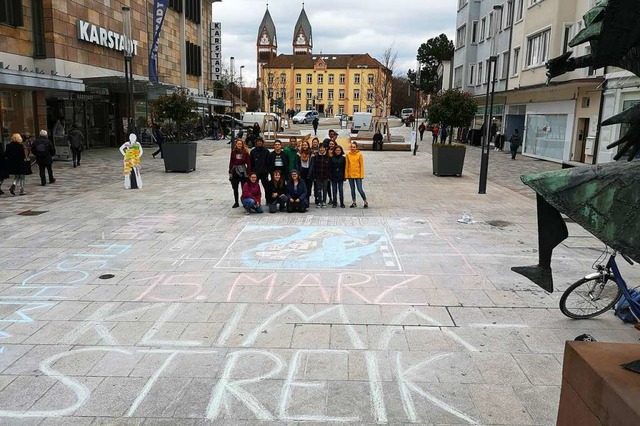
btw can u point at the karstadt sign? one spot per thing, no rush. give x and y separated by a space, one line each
95 34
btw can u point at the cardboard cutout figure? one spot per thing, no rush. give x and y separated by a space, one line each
132 151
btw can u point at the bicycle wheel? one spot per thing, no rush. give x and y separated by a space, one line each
588 298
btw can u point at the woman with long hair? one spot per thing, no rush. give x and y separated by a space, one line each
354 171
18 163
239 168
304 164
331 147
297 193
337 176
252 195
277 192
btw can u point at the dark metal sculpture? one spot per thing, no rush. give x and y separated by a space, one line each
603 199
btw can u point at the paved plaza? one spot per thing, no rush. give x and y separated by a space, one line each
166 306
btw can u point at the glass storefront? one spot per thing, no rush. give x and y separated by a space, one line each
17 113
546 135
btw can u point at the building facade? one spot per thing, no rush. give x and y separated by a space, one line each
65 60
558 121
329 83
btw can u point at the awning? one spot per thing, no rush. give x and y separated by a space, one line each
31 80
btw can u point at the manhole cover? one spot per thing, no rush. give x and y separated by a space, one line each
32 212
106 276
498 223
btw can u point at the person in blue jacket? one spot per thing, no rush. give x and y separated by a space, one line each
297 193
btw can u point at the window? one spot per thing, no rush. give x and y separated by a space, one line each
509 16
461 33
566 38
298 107
369 94
519 9
340 109
319 94
474 32
487 70
490 28
356 108
533 2
298 94
369 108
538 48
480 74
330 78
472 74
342 79
320 78
192 10
298 78
39 50
270 79
194 59
330 94
504 71
283 94
283 78
457 77
370 78
341 94
356 79
309 94
498 20
356 94
483 28
309 78
11 13
462 3
516 59
175 5
270 93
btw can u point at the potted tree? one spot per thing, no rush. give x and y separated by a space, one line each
451 108
178 107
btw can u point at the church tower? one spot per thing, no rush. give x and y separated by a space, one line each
302 37
267 45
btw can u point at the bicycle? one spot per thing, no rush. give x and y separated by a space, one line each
598 292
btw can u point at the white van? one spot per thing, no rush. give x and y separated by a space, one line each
405 113
249 118
361 121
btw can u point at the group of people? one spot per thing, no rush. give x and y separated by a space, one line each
288 177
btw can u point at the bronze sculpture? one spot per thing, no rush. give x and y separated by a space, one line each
604 199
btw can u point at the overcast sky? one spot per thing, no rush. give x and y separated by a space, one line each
339 26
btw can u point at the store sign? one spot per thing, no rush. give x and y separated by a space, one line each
95 34
216 51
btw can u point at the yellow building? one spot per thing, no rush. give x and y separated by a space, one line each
329 83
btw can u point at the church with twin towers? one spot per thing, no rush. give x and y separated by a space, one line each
329 83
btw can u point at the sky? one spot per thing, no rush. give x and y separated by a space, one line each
338 26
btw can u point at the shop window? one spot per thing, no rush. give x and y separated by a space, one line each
11 13
546 135
194 59
192 10
175 5
37 8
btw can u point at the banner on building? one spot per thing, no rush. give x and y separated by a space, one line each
159 11
216 51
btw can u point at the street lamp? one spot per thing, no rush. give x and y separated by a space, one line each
488 107
233 100
128 72
415 115
241 67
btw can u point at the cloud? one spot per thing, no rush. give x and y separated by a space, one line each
339 26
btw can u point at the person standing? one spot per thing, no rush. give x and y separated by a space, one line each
278 160
292 153
256 130
252 195
4 168
320 171
214 128
44 151
17 163
239 168
421 129
259 157
159 138
303 164
354 171
337 176
514 143
314 123
76 141
434 133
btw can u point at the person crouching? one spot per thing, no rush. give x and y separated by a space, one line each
297 193
252 195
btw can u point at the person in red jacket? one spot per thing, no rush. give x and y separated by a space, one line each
252 195
239 168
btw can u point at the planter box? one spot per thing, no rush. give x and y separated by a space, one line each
179 157
448 160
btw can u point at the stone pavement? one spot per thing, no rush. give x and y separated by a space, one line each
165 306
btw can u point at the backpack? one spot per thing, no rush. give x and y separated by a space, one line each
623 311
41 147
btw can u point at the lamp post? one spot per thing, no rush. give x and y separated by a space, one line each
415 117
128 72
241 67
488 108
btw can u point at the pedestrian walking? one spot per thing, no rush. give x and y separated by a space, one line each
278 160
76 142
314 123
18 163
44 150
514 143
276 195
354 171
297 194
159 139
4 168
421 129
252 195
239 168
337 175
320 171
434 133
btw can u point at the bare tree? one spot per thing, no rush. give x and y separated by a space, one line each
382 83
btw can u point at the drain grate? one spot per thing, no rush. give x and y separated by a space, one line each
32 212
106 276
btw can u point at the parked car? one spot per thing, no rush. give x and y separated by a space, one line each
305 117
406 113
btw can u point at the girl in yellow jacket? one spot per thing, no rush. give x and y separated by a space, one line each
354 172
